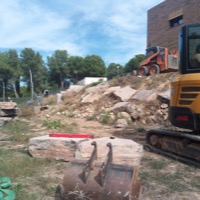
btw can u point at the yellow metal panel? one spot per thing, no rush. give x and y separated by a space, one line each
186 84
175 90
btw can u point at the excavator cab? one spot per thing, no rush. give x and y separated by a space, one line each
184 109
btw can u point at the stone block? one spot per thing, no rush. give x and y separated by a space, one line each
58 148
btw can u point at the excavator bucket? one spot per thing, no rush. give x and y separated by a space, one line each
93 180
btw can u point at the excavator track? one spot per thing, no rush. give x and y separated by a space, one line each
181 146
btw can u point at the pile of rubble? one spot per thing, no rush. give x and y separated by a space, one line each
122 105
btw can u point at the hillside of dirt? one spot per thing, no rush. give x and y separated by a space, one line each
122 102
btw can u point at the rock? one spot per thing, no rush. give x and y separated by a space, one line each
100 88
121 106
153 118
135 116
145 95
125 151
125 93
164 96
111 90
160 112
166 117
94 93
4 120
124 115
140 109
112 116
121 123
131 107
164 106
91 97
57 148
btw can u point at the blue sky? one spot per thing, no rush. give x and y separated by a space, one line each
114 30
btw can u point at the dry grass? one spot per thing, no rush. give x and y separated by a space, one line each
50 100
27 111
163 178
30 176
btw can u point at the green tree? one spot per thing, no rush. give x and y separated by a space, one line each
94 66
58 66
32 61
13 61
6 72
114 70
133 63
76 66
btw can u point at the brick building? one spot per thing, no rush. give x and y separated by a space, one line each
165 20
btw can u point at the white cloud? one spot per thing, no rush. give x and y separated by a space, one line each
115 30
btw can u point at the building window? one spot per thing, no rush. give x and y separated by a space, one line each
176 21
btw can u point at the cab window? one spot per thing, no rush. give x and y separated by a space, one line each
194 48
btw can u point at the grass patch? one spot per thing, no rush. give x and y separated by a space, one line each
106 119
59 126
173 182
17 130
45 183
141 129
53 124
155 172
158 164
28 175
71 114
91 117
24 165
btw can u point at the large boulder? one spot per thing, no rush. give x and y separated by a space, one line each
119 107
58 148
125 151
145 95
124 93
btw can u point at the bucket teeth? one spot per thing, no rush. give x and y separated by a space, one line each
100 178
90 164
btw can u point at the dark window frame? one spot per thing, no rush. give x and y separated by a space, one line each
176 21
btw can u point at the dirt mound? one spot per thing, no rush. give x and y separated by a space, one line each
159 81
105 100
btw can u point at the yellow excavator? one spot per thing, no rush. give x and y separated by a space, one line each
183 141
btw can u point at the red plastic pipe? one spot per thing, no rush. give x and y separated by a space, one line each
66 135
